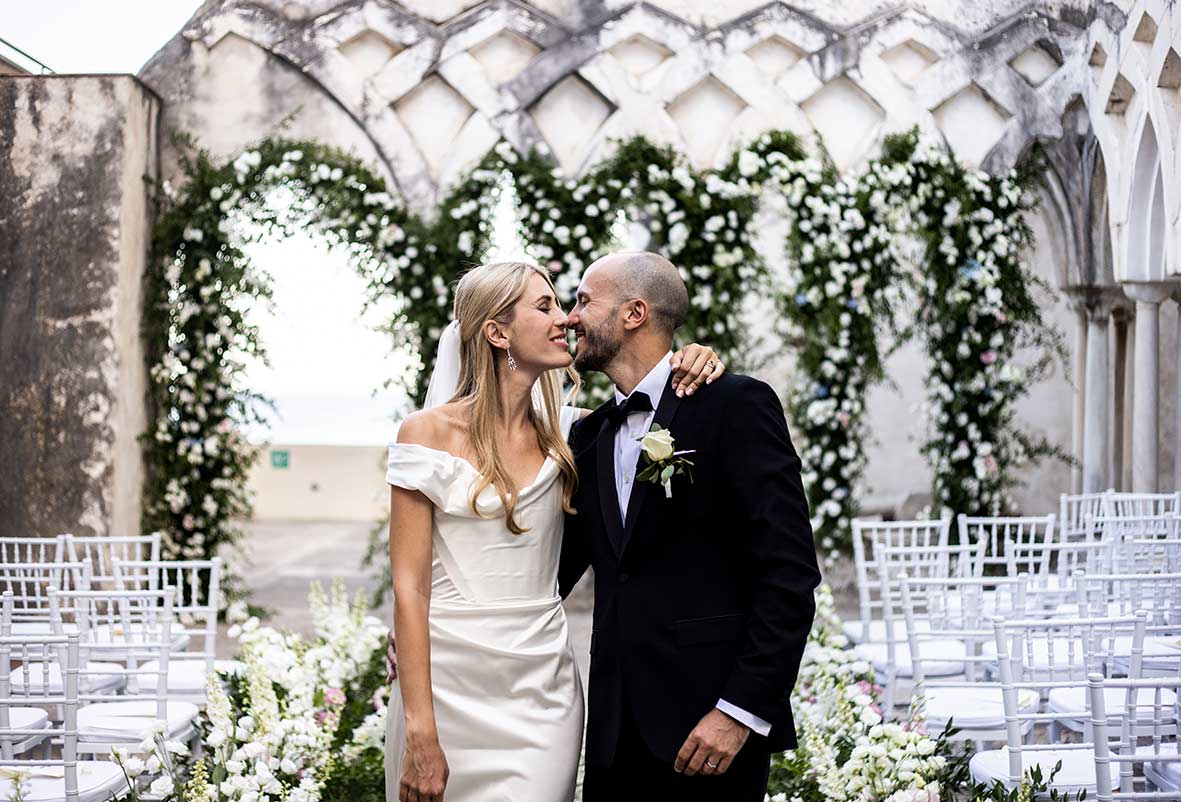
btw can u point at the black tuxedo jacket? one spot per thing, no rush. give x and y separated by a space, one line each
709 593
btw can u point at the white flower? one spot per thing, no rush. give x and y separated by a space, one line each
658 444
162 786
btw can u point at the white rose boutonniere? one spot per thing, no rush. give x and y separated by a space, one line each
662 460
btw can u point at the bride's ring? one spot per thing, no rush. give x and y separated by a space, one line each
711 765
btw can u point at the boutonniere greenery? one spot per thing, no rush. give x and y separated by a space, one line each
661 459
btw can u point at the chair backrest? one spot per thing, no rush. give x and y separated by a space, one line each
29 584
1159 595
196 586
1124 505
1145 556
1043 654
868 536
1054 587
995 533
1072 512
940 610
133 625
32 549
32 657
1150 703
103 551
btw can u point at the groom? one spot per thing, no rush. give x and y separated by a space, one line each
703 601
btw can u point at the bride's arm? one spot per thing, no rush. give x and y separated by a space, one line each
424 768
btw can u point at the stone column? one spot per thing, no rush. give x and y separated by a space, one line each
1177 400
1095 444
1145 407
1080 383
1121 431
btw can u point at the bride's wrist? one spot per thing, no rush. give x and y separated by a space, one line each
420 732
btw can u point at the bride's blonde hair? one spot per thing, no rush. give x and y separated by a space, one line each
491 292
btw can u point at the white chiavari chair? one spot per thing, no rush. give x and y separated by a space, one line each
33 720
994 533
1115 703
1043 656
962 608
1131 505
61 779
891 658
102 551
1052 592
1159 595
196 587
29 584
1072 512
32 549
137 625
867 537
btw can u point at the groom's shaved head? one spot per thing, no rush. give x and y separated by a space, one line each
640 274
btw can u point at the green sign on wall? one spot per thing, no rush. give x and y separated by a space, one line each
279 459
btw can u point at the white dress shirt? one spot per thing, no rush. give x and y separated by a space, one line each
627 457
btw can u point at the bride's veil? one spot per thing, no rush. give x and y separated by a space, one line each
444 381
445 377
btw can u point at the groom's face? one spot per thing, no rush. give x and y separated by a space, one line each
595 321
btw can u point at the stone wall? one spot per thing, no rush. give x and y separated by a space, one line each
75 156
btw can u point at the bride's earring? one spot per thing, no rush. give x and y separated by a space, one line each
512 363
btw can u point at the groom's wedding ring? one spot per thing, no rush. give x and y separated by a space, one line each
710 364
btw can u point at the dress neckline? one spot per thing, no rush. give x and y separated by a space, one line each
473 468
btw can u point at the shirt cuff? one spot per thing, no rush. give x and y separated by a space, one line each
749 719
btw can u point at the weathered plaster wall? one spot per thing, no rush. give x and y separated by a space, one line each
74 227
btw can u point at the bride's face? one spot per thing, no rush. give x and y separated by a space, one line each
538 331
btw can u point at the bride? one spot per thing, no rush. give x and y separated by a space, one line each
487 702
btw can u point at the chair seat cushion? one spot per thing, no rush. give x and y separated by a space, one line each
1074 700
941 658
875 631
96 680
1077 773
977 708
98 781
130 721
186 676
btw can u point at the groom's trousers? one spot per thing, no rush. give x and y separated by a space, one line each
636 775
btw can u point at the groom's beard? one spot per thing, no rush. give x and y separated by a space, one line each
599 346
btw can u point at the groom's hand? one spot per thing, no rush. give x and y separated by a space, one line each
711 747
391 658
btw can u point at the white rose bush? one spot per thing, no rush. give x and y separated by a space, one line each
977 309
305 720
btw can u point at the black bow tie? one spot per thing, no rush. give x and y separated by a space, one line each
636 402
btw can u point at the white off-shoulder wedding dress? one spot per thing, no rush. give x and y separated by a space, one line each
508 699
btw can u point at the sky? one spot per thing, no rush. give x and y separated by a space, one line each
91 35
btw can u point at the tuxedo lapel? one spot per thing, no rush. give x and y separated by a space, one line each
665 411
608 495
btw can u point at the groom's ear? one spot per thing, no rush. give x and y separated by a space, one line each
636 313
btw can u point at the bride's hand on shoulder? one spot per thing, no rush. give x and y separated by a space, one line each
693 366
424 770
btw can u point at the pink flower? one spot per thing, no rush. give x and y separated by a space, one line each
554 265
188 522
991 465
988 357
334 696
